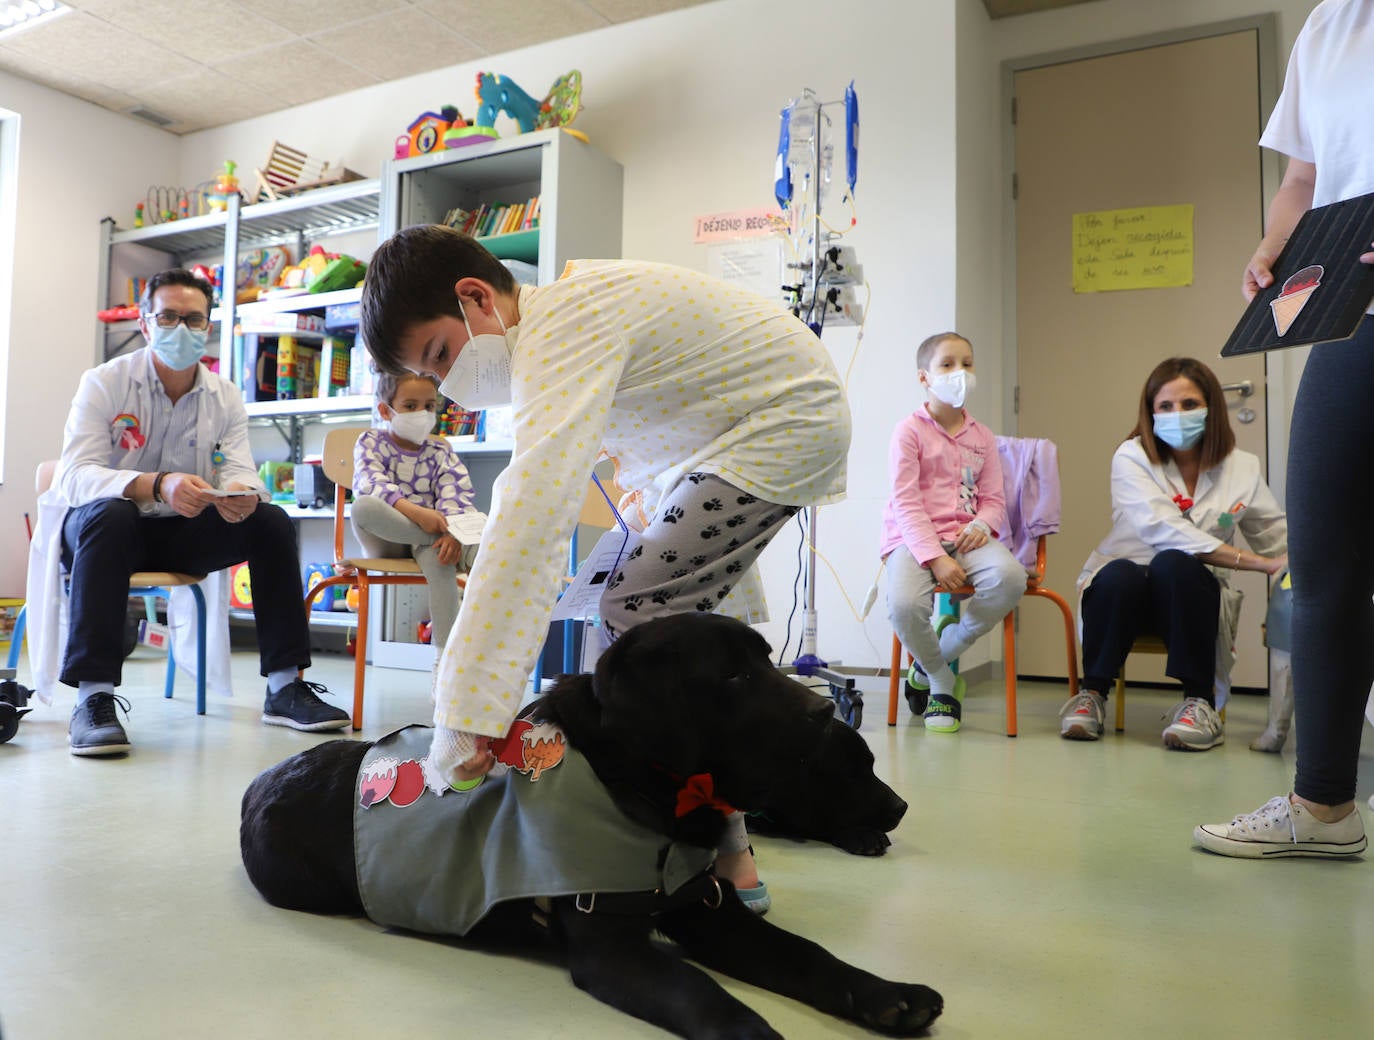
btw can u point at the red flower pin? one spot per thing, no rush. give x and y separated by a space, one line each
1183 502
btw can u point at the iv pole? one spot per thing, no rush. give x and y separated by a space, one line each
849 702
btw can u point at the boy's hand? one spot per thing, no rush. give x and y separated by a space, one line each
448 550
971 537
948 574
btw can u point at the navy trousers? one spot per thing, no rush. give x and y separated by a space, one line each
104 542
1175 598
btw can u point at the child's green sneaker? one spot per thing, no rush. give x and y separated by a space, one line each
943 713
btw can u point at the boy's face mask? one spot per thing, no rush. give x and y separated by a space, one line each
480 376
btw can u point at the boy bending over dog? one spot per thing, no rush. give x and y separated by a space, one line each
723 412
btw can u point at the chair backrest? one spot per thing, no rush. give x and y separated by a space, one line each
42 476
337 455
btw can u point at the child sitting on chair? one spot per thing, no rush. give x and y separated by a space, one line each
940 530
406 486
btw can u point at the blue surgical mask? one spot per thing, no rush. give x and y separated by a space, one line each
1181 430
178 347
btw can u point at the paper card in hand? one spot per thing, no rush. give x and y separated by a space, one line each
1320 290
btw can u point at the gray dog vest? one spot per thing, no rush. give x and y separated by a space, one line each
545 826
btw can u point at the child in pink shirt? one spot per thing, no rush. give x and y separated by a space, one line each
940 530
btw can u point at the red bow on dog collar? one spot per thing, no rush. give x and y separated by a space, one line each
697 790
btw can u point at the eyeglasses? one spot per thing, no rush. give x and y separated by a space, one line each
171 319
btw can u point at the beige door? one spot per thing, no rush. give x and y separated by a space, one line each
1161 125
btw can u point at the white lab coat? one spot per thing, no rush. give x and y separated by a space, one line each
98 461
1146 520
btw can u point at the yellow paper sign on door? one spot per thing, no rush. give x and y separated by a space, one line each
1149 247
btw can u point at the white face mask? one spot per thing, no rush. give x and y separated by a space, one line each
951 387
412 426
481 375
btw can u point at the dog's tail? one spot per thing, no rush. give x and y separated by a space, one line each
296 830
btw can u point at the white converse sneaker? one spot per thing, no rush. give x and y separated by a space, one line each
1082 717
1281 827
1196 727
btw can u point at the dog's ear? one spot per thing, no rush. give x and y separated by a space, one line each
645 696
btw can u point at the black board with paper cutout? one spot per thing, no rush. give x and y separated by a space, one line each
1320 290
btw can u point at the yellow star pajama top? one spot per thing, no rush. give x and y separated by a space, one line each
670 372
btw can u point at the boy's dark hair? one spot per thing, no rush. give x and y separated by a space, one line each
410 279
928 346
389 382
1218 439
176 276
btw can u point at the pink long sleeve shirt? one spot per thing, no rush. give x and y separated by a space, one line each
940 484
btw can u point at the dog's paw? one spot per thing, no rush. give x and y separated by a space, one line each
898 1008
863 842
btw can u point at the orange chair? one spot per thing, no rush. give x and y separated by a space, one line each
1033 588
362 573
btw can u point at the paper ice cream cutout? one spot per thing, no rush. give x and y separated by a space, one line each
1293 297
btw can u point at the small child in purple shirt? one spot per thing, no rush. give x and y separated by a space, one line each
406 486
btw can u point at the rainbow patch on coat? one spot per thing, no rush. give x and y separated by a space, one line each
129 436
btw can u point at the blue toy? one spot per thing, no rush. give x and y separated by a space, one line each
497 94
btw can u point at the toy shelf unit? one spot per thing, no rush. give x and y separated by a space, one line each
577 188
226 240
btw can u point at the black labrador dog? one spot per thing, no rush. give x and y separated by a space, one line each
685 718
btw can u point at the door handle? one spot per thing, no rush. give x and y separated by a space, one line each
1244 414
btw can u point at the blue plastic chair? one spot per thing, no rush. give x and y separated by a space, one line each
147 585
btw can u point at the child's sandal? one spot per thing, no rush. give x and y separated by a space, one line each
943 713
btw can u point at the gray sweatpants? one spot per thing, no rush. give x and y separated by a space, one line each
998 580
384 532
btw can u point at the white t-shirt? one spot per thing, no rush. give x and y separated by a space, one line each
1323 115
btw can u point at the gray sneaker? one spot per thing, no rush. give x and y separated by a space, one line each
1281 827
1196 727
95 729
298 705
1082 717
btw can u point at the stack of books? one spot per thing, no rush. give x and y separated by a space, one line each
490 219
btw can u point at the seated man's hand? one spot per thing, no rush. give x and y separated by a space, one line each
186 493
448 550
238 507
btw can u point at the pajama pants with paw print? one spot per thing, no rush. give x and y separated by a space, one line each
705 535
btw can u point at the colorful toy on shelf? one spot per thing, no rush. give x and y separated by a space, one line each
240 587
280 480
497 94
138 214
260 269
321 271
289 171
226 184
429 131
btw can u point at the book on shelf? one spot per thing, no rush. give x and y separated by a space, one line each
489 219
282 322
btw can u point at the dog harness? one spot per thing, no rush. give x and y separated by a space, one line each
545 826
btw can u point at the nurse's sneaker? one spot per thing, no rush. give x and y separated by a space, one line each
1082 716
1196 727
1281 827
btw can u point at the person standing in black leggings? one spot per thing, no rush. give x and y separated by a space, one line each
1321 122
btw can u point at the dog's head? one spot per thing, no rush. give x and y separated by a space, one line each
697 694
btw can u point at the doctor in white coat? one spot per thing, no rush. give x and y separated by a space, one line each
153 442
1182 493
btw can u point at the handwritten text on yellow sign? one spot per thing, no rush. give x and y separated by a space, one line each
1150 247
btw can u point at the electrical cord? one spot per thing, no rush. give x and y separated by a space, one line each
787 637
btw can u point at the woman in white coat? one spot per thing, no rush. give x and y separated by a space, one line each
1181 490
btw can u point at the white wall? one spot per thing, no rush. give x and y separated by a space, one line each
77 164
